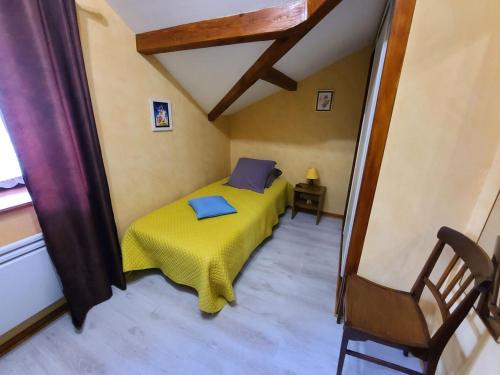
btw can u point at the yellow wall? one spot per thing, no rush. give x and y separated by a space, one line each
284 127
483 205
440 154
145 169
18 224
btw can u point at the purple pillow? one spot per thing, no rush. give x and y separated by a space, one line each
251 174
273 175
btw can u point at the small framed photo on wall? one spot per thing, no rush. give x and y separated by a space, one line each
161 115
324 100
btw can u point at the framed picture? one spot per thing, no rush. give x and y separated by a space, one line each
161 115
324 100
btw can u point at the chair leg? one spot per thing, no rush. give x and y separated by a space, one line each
340 312
431 366
342 353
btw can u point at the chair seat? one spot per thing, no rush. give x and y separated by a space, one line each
385 313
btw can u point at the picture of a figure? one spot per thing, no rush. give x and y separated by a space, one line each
161 115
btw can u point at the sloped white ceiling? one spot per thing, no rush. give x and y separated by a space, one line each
208 73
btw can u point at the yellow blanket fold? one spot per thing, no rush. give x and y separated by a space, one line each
205 254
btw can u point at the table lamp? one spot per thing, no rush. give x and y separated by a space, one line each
312 174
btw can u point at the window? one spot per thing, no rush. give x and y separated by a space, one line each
10 171
13 194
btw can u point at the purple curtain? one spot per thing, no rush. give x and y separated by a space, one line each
46 105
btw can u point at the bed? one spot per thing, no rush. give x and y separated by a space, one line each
206 254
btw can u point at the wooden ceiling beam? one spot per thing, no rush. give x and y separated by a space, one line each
265 24
317 10
280 79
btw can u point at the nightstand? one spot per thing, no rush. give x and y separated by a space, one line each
308 198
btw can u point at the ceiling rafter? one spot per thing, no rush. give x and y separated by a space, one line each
264 24
279 79
316 11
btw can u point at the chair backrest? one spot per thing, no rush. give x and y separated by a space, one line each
475 266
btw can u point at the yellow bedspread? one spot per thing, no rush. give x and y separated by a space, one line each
205 254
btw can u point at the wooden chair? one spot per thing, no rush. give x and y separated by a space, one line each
394 318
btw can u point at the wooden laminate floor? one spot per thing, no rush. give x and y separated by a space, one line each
282 322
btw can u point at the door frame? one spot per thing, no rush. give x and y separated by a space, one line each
396 48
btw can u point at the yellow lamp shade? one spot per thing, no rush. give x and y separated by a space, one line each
312 174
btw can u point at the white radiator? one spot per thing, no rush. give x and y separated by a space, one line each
28 281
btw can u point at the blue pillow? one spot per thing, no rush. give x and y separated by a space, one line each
211 206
